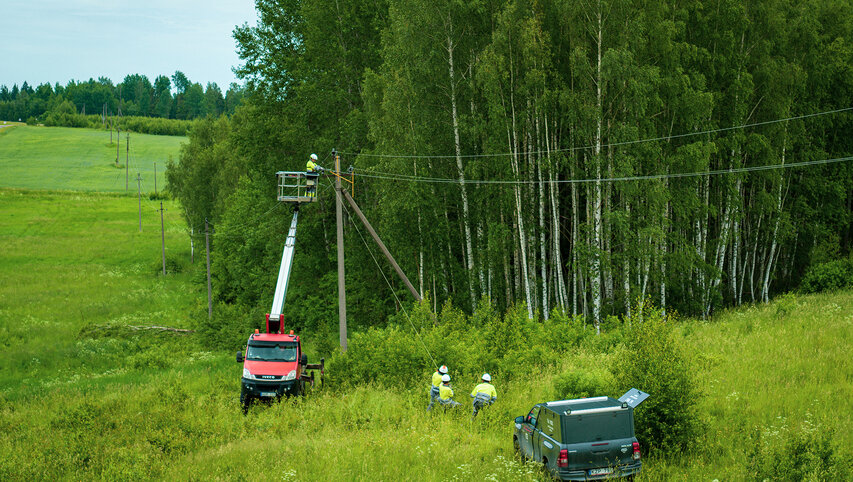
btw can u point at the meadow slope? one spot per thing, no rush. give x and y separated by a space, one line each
62 158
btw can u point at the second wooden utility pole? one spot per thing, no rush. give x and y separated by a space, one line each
163 238
139 195
207 250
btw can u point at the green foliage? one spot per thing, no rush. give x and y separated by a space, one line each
795 451
829 276
576 383
655 361
785 305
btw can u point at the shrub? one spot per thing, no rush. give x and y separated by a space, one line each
830 276
655 363
806 452
785 305
583 383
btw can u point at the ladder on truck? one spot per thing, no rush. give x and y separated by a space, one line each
295 187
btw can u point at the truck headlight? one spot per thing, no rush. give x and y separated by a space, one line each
247 374
291 375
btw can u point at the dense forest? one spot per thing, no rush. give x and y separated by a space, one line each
573 155
134 96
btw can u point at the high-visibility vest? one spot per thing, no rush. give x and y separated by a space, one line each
486 388
436 379
310 166
445 392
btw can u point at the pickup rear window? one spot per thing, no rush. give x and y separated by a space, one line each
278 352
597 426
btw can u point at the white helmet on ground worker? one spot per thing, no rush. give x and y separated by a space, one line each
445 378
313 157
487 377
443 369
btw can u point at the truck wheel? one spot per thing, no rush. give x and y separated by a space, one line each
517 447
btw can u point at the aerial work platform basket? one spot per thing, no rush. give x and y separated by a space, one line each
297 186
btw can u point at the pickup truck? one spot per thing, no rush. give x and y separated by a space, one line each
582 439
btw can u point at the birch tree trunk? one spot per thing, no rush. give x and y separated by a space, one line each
765 285
595 266
461 172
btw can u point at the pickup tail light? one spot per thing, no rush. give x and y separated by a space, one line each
563 461
636 450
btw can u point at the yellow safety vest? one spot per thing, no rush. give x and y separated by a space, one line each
310 166
445 392
436 379
486 388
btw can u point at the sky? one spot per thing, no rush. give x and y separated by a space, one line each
61 40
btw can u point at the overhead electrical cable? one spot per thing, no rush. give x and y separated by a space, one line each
437 180
612 144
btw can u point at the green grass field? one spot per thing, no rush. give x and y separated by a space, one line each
86 394
61 158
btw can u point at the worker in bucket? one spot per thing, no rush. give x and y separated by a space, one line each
313 171
436 384
484 394
445 393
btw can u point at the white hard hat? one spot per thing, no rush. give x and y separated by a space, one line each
445 378
487 377
443 369
313 157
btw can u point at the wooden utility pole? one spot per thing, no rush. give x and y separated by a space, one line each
381 245
163 238
139 195
127 162
207 250
342 297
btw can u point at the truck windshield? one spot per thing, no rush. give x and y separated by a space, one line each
272 352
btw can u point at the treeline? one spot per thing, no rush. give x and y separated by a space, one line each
135 96
533 150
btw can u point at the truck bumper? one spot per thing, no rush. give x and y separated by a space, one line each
267 389
621 471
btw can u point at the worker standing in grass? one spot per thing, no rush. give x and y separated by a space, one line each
484 394
313 171
445 393
435 386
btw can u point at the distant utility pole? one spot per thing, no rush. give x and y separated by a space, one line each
139 195
163 238
207 250
127 161
111 137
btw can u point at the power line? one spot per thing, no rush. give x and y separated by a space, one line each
612 144
439 180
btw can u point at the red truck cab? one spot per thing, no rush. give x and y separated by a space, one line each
273 366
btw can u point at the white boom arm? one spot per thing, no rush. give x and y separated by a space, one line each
284 270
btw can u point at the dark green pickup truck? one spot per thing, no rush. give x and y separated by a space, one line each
582 439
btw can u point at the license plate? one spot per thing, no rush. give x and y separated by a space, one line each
601 471
267 394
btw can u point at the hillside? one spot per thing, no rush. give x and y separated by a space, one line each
84 394
61 158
